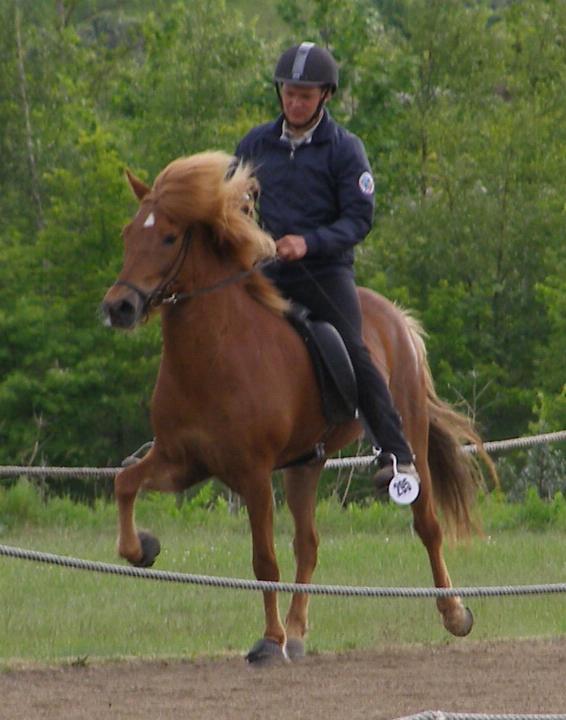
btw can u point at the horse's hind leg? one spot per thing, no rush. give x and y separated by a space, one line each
456 617
300 488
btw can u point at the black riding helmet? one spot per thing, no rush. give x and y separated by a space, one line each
309 65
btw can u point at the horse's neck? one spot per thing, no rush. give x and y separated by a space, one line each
206 317
203 266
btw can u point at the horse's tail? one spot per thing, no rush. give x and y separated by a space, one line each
456 474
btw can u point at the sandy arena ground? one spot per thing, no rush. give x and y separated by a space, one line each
519 677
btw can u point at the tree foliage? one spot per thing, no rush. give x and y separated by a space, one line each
461 110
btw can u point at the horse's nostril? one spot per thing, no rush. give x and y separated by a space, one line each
125 309
123 314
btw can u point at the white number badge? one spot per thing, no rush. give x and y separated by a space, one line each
403 489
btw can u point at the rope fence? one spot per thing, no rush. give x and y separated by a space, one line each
490 447
441 715
262 586
316 589
7 471
266 585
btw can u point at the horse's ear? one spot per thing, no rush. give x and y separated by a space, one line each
140 188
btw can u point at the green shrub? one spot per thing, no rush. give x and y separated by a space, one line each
24 503
20 504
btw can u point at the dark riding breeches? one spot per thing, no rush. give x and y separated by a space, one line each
333 297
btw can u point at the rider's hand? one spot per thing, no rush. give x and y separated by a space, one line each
291 247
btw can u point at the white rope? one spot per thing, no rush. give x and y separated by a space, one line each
492 446
359 461
521 442
441 715
56 472
266 585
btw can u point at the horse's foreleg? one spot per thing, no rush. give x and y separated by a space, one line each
300 489
139 548
456 617
126 487
259 503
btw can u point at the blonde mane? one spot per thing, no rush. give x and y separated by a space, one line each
208 188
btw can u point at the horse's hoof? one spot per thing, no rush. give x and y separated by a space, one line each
295 649
151 548
266 652
459 623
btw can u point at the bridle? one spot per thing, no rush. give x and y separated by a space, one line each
163 294
154 298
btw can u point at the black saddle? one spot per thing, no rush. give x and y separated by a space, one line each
332 365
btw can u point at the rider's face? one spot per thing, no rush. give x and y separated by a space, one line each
300 103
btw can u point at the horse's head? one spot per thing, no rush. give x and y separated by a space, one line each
205 190
153 249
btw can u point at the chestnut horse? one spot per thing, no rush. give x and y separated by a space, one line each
236 395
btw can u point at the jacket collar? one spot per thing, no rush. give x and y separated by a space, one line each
322 132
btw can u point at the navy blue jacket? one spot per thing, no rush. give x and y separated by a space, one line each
323 190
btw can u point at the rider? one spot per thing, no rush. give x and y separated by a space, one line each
317 201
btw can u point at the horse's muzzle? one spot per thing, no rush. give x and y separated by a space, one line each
123 312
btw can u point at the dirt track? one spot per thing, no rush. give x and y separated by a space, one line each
525 677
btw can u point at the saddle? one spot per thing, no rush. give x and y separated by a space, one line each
332 365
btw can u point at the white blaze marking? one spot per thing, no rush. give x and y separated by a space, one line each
150 220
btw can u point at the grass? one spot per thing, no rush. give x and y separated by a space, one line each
53 614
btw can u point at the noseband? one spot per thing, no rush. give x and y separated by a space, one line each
163 295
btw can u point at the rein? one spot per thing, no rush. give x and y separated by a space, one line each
163 295
176 297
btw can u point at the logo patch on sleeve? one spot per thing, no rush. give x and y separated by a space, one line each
366 183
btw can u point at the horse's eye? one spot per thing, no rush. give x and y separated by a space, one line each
169 239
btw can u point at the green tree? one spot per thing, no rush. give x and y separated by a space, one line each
461 109
202 73
105 87
478 175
